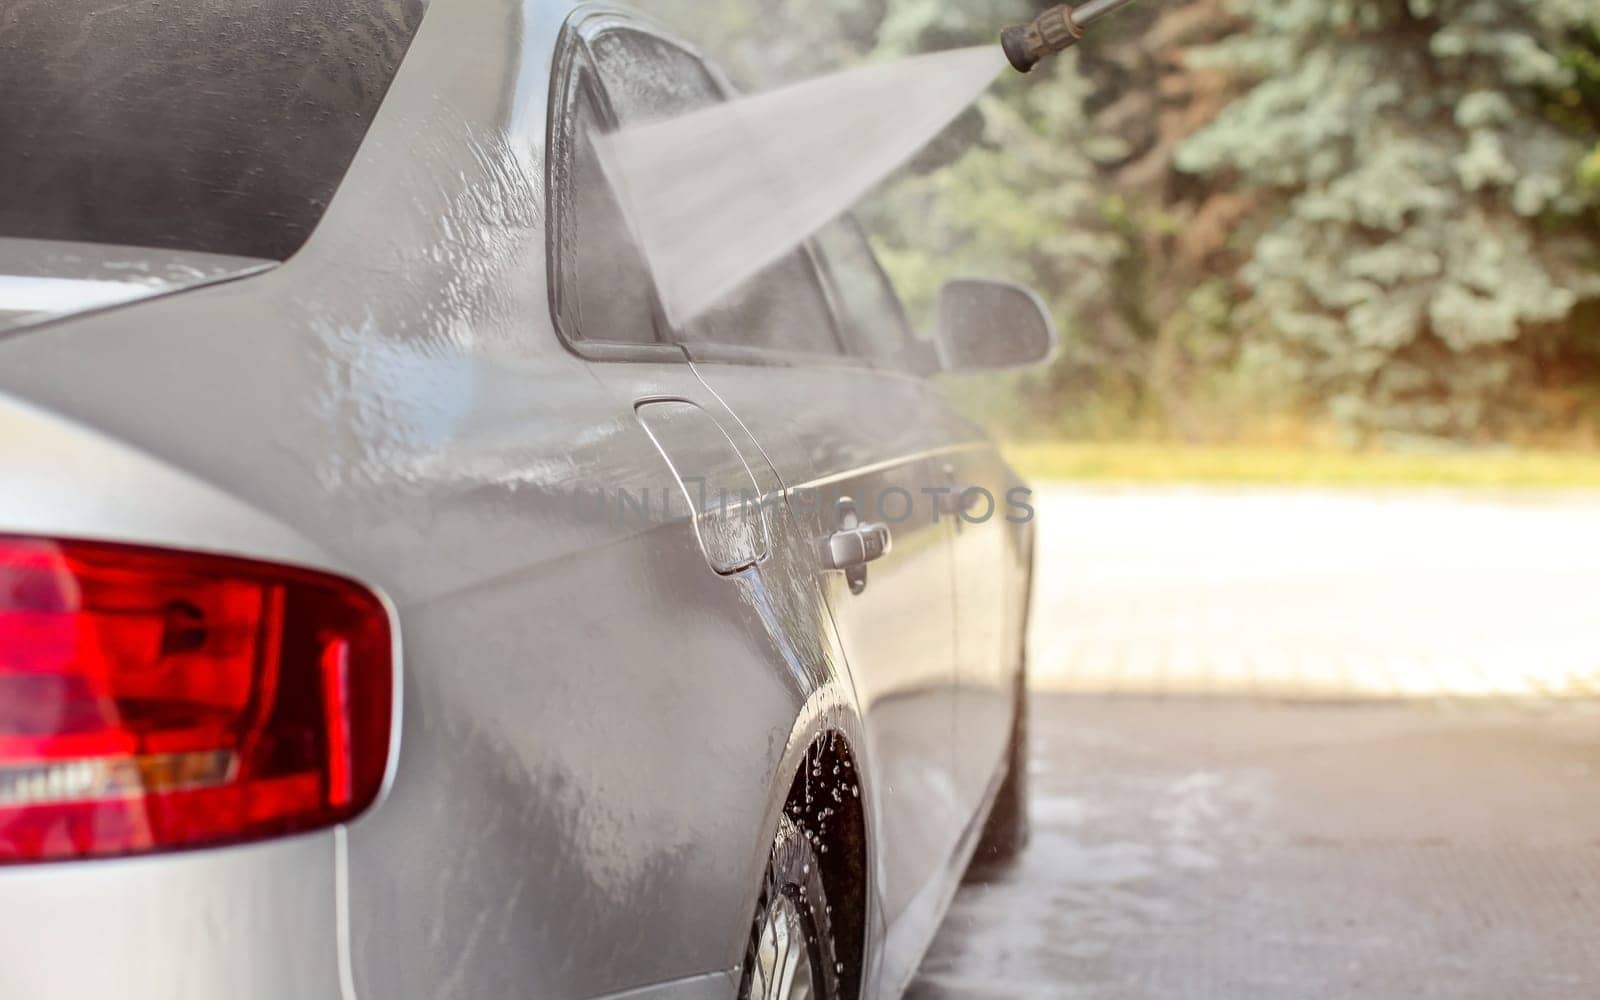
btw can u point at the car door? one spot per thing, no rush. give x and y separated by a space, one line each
729 657
848 441
974 510
988 648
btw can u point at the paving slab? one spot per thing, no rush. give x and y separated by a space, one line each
1219 848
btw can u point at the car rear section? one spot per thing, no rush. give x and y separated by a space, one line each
165 694
197 692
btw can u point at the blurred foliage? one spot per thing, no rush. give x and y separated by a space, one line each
762 43
1378 215
1426 228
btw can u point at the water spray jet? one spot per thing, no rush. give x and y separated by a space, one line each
1056 30
717 194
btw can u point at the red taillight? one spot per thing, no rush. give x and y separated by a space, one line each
152 700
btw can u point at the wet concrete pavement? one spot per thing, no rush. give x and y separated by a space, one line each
1298 745
1222 849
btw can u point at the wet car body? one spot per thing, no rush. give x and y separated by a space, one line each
600 716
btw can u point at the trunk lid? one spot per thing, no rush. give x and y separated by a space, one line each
45 280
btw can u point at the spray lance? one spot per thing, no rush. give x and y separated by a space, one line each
1056 30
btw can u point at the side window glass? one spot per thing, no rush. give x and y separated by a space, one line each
875 323
604 287
647 77
780 309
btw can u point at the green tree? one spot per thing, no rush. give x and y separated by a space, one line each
1069 186
1427 232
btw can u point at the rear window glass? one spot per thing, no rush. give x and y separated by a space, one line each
606 284
782 307
213 125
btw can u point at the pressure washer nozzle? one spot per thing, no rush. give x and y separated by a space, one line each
1055 30
1050 32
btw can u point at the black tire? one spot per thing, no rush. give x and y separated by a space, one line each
1005 835
794 877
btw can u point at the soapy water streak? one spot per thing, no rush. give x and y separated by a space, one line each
717 194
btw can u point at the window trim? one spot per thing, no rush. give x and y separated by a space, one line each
571 61
912 343
741 354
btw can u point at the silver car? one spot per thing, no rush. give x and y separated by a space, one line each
393 605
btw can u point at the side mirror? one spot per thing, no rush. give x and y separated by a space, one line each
992 325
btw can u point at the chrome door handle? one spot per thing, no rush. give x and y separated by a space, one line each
849 548
855 544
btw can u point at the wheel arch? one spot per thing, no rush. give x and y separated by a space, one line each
825 802
823 785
